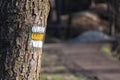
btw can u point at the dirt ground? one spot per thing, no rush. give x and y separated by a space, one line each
83 61
53 67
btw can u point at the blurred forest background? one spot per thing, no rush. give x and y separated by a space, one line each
68 19
88 22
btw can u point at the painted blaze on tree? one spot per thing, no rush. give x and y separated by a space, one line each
22 27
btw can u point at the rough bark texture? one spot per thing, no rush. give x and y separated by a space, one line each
18 60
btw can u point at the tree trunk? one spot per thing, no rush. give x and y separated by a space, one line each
22 27
117 15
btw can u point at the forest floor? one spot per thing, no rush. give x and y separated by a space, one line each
81 61
53 67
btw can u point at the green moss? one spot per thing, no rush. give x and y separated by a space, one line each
51 77
43 78
81 78
106 49
61 77
57 77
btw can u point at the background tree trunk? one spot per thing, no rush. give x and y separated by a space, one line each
117 15
18 59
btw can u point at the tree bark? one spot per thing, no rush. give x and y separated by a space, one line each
22 24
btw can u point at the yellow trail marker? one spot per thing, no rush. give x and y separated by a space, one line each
37 36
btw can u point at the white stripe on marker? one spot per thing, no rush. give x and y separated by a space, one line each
38 29
36 44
